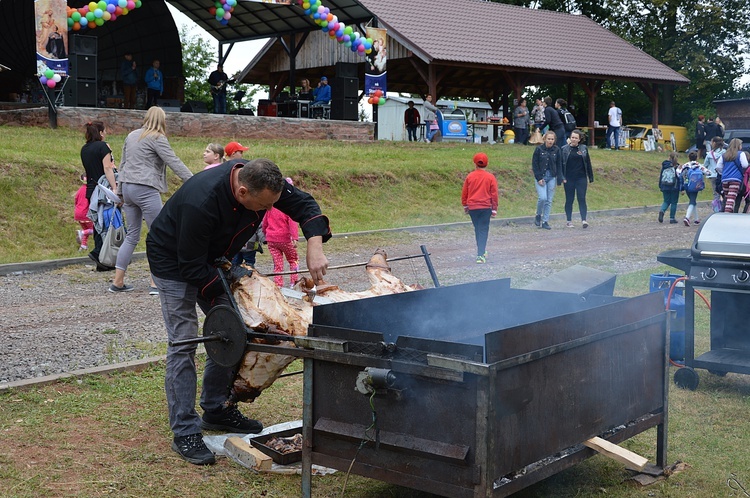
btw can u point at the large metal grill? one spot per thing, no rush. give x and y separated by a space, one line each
479 389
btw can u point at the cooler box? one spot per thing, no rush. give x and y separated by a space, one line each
661 282
452 125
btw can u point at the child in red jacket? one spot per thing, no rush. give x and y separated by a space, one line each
282 234
479 199
81 216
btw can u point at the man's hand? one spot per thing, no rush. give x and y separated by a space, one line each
236 272
317 263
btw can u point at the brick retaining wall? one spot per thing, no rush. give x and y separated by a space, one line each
198 125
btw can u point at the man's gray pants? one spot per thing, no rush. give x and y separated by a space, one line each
178 300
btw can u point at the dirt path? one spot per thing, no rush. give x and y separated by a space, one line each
62 320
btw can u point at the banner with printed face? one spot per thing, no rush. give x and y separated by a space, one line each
51 22
375 70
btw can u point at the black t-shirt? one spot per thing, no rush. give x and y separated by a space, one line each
574 168
92 155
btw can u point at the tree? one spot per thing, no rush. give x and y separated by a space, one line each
199 58
702 40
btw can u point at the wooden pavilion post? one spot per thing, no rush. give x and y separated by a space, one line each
591 87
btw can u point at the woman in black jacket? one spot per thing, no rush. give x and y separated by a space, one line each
546 164
577 174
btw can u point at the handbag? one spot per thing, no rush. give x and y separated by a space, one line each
536 138
113 239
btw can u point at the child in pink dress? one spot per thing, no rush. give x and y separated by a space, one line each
81 216
282 234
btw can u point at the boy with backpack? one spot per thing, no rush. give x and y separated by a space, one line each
693 181
669 184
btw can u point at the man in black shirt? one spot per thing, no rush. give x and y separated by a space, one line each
212 216
218 80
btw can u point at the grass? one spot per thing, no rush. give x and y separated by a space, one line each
359 186
109 435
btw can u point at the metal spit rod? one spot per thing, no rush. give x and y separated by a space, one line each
425 255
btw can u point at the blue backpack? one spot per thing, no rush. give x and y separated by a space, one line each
694 181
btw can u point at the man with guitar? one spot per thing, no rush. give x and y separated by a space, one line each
218 80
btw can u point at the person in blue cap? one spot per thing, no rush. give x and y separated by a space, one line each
322 94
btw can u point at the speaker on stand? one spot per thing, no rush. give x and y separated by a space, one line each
81 88
344 93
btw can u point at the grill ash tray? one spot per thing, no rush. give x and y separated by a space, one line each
259 442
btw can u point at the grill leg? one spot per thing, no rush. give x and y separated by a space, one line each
307 427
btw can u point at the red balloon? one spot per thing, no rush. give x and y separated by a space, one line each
212 11
378 93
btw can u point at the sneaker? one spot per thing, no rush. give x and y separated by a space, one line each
585 224
697 222
661 216
546 226
686 222
192 449
672 221
153 291
569 224
83 248
481 260
79 236
124 288
230 420
538 220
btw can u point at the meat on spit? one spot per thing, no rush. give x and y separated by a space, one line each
265 309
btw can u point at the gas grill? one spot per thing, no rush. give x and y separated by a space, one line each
719 261
479 390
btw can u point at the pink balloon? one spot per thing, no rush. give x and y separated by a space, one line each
51 83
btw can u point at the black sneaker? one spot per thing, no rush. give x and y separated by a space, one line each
672 221
538 220
192 449
661 216
546 226
230 420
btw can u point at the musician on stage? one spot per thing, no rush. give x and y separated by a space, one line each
218 80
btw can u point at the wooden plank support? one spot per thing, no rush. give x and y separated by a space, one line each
611 450
241 452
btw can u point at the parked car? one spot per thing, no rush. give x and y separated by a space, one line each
640 133
743 135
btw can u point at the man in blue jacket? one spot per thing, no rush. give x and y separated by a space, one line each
154 84
129 76
210 217
322 94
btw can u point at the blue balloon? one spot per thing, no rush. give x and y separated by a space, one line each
224 22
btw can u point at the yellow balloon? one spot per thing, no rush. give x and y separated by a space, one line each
93 6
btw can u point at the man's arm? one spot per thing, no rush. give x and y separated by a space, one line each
317 263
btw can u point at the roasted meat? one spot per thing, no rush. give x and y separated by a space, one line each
265 309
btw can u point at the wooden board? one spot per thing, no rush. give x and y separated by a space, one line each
611 450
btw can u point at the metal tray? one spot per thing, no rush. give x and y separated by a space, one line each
280 458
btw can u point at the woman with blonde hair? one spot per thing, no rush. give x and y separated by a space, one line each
142 178
732 165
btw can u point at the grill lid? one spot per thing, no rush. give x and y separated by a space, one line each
723 235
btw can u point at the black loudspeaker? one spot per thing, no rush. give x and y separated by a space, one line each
245 112
80 93
194 106
83 45
344 109
346 70
345 88
83 67
287 110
